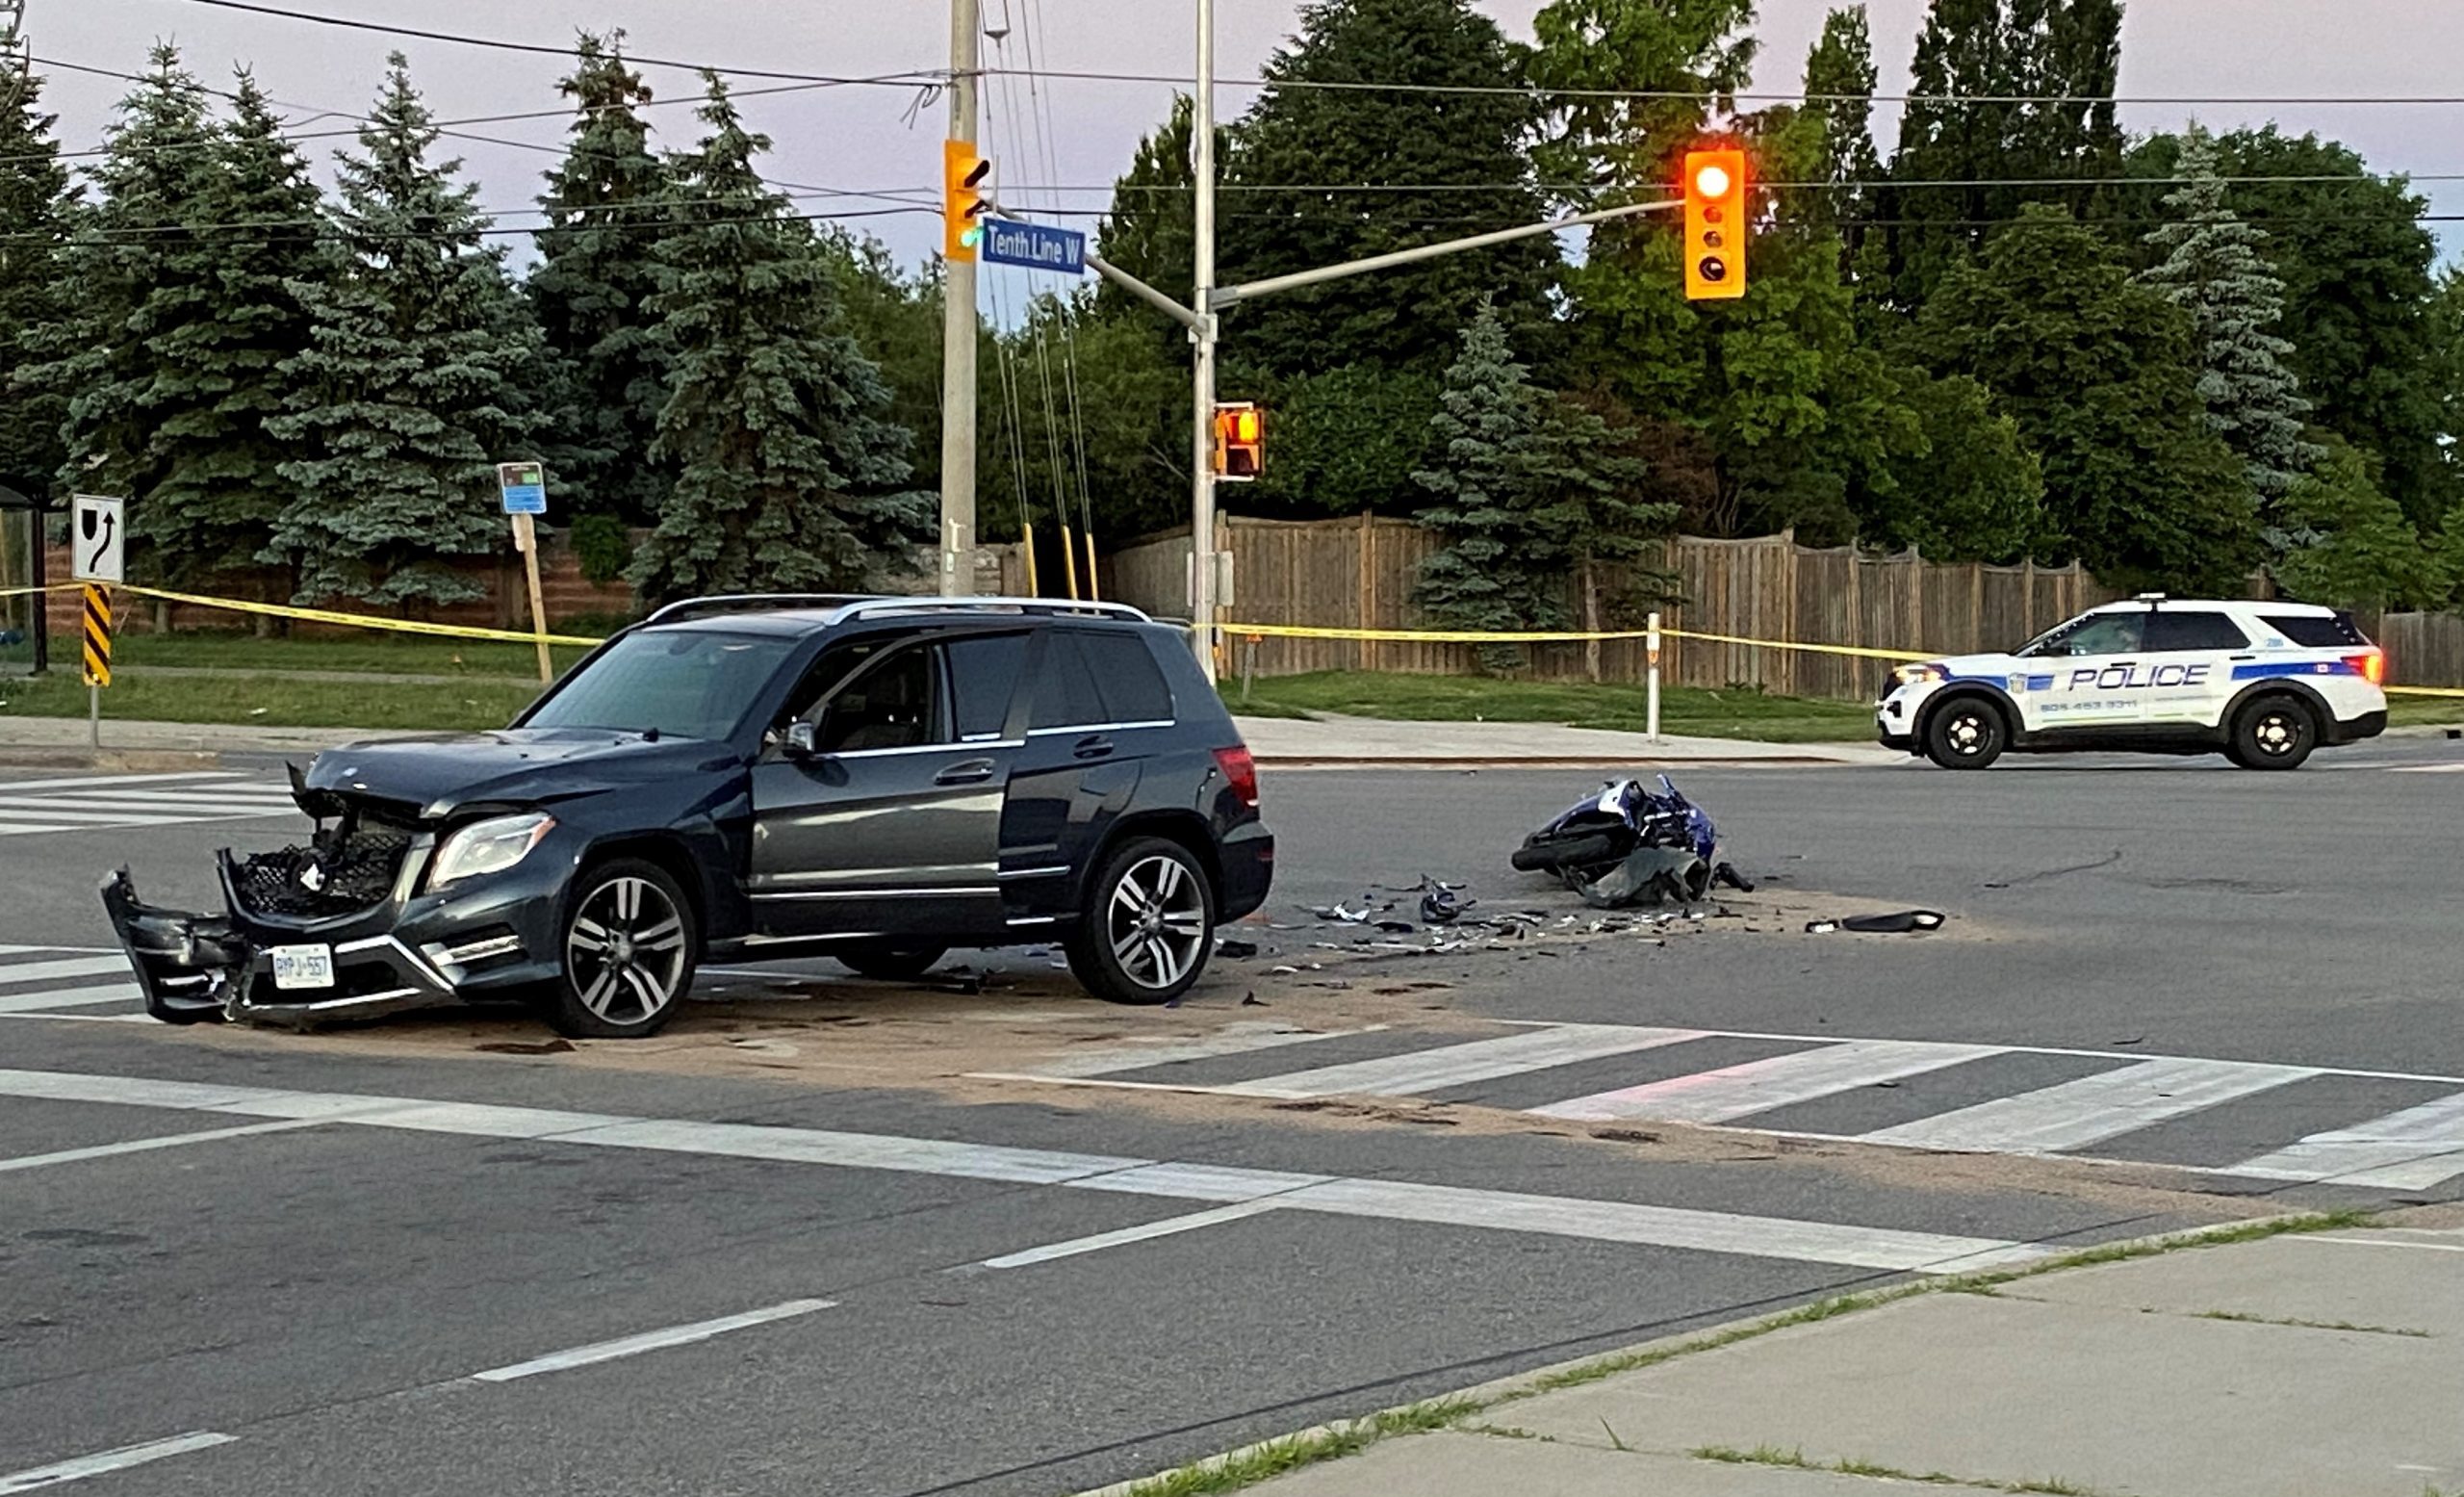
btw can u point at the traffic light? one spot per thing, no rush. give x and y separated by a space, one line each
965 177
1240 441
1715 225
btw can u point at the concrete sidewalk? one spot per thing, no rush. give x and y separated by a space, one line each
1332 741
2326 1364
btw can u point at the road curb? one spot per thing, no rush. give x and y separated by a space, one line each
1481 1397
1744 762
111 761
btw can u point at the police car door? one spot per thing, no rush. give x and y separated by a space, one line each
2084 676
2187 668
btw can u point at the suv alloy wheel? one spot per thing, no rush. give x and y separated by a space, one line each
628 945
1147 926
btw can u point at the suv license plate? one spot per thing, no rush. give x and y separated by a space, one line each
303 967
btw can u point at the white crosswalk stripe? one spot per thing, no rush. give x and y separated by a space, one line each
1762 1085
39 980
2414 1148
86 803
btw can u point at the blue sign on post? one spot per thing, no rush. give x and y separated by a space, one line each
524 487
1037 246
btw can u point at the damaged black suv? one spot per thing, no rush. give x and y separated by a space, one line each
877 779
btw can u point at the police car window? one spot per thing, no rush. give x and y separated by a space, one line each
984 670
1065 694
2097 634
2171 628
1132 689
2316 630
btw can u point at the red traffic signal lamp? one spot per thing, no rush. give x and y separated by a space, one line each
1240 440
1715 225
964 177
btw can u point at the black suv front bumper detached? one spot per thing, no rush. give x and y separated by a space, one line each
353 902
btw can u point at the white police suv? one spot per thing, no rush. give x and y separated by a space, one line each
2262 683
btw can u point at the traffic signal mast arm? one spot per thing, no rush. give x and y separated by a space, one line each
1226 296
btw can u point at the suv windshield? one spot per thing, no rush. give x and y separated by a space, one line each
678 682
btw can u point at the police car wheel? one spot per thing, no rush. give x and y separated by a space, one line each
1967 733
2274 733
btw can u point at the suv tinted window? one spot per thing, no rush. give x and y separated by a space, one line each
1132 689
984 671
895 704
2169 628
2096 634
1065 694
2312 631
685 682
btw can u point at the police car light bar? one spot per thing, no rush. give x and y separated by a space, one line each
2149 598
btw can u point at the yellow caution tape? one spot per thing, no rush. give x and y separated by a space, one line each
358 619
2421 691
1466 636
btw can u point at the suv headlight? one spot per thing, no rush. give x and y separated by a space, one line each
1920 674
489 846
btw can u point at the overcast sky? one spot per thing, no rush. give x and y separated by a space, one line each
862 137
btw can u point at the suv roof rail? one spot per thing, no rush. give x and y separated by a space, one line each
723 603
1047 607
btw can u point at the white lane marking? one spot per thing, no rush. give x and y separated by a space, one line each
58 820
1562 1216
212 795
1145 1231
649 1341
1663 1227
2090 1109
8 950
111 1461
2426 768
1458 1064
1775 1081
83 781
13 973
70 997
2411 1149
140 1145
51 805
2415 1244
15 829
1231 1040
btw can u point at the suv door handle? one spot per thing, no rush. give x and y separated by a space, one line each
971 771
1094 745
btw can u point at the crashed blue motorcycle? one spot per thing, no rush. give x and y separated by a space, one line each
1629 845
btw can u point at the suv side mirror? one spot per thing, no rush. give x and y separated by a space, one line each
803 740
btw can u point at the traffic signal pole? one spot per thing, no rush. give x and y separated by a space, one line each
959 333
1202 564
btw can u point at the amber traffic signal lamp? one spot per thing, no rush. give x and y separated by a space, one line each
1240 440
963 176
1715 225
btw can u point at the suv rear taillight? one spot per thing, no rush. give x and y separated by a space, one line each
1240 772
2371 665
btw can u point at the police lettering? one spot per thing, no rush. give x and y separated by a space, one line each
2136 678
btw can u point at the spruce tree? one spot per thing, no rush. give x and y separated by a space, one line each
414 384
1503 564
2214 268
258 238
607 203
1585 476
2098 373
790 473
37 204
132 276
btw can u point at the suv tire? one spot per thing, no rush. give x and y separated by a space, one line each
1148 925
1967 733
628 945
889 962
2274 732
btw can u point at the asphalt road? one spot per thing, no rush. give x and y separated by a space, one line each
389 1274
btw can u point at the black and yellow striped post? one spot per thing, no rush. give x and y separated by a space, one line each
98 656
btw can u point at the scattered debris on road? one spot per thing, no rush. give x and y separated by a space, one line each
1899 922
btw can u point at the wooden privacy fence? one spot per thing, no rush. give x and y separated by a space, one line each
1361 574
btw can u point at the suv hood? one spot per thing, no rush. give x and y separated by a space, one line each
433 775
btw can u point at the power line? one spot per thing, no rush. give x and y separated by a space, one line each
907 79
1542 94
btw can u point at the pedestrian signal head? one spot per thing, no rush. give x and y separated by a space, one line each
965 178
1715 225
1240 440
